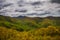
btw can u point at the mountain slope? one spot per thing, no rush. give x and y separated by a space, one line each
27 23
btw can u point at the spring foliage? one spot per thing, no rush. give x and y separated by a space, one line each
29 28
26 23
49 33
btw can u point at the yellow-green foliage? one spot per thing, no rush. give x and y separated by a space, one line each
49 33
27 23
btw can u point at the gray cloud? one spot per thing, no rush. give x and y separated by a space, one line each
21 11
55 1
36 3
4 4
32 8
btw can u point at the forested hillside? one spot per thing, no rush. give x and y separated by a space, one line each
26 28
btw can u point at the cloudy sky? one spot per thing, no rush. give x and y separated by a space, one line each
31 8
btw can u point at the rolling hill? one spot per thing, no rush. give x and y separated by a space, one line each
27 28
27 23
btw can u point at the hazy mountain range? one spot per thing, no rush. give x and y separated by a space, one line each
31 8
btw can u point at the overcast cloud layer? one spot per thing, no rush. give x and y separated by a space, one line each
31 8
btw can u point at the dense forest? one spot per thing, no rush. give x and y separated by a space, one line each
27 28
